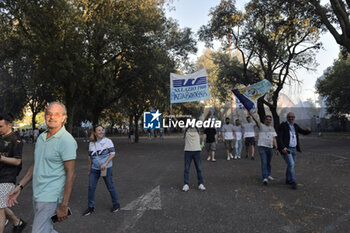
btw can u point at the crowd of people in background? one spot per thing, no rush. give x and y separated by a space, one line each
29 135
56 148
284 142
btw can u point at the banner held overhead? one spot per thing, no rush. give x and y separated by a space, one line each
248 95
189 88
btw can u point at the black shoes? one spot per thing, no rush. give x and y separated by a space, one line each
88 211
20 227
294 185
115 208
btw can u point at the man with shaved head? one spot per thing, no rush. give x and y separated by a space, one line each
288 145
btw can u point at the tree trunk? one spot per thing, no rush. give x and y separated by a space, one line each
131 121
136 128
33 119
273 109
261 109
70 117
131 126
95 119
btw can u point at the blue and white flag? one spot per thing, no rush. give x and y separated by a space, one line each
189 88
248 95
240 106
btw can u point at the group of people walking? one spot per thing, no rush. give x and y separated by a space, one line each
285 142
53 170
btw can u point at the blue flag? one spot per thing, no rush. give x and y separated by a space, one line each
248 95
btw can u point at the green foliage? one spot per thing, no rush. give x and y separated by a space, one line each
272 40
12 96
89 54
224 74
335 86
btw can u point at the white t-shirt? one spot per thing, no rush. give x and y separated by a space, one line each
293 136
103 149
266 134
249 130
228 131
238 130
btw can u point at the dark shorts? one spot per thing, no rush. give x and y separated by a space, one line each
210 146
249 141
229 144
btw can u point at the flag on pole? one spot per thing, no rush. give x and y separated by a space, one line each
248 95
189 88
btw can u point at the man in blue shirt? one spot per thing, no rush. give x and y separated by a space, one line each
52 171
288 145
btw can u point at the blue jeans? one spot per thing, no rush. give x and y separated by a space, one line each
196 157
238 148
108 179
266 157
290 160
43 211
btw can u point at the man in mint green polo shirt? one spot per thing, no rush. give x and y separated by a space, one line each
52 171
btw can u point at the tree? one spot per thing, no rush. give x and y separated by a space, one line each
149 68
13 69
273 39
83 52
12 97
335 16
335 86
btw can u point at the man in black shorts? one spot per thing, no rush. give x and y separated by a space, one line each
10 166
210 138
249 136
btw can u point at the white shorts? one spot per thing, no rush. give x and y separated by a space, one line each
5 189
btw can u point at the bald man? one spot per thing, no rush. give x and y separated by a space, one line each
288 145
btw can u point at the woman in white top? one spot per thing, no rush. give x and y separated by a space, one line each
266 143
101 153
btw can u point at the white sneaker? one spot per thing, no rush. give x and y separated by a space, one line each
265 181
236 157
270 178
231 156
201 187
185 188
239 157
228 158
208 158
7 221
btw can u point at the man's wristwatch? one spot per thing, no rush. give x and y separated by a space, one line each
21 186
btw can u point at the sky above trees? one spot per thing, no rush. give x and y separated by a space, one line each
194 14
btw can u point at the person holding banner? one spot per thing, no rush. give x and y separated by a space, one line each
228 135
266 142
192 152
